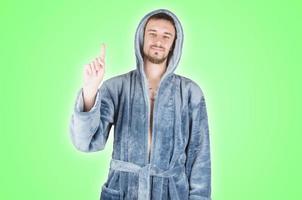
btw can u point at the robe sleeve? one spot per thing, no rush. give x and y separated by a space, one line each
198 162
89 130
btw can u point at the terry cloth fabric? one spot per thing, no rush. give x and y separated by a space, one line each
180 164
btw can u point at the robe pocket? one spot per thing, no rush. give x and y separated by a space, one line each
110 194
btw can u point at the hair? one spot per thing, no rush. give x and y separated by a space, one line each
162 16
168 18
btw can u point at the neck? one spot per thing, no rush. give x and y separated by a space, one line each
154 71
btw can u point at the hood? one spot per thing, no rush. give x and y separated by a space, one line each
139 39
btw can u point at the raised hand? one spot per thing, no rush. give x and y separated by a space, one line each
94 72
92 77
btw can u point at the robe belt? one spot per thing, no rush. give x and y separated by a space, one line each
144 174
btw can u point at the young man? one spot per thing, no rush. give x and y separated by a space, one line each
161 137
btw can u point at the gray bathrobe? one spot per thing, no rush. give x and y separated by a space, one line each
180 164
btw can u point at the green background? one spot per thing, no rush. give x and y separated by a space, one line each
245 55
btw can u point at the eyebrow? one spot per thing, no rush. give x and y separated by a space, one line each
164 32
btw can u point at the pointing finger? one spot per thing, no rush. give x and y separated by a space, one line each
103 51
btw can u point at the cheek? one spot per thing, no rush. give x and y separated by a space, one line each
146 45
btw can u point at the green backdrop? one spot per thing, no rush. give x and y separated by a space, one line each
245 55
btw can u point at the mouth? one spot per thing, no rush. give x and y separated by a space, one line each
157 48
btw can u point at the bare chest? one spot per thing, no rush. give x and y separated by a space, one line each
152 94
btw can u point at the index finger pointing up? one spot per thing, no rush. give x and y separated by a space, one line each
103 51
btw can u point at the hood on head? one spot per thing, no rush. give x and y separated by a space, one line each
139 39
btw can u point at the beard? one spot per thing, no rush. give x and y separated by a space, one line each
154 59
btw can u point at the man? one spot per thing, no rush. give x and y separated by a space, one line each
161 137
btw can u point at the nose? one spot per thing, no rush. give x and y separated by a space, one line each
158 41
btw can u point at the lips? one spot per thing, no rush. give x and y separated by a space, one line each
156 48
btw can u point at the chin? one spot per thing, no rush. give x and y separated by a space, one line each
157 53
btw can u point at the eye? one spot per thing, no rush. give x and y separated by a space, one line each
166 37
152 34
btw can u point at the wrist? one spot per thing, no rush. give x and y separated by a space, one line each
89 93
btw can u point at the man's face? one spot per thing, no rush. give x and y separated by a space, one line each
158 40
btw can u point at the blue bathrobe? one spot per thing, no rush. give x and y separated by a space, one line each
180 166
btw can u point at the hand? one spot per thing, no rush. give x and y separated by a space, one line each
93 73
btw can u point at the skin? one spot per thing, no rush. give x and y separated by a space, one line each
158 40
93 75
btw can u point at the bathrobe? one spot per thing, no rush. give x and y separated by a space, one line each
179 167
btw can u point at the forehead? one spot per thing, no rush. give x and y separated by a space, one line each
160 25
